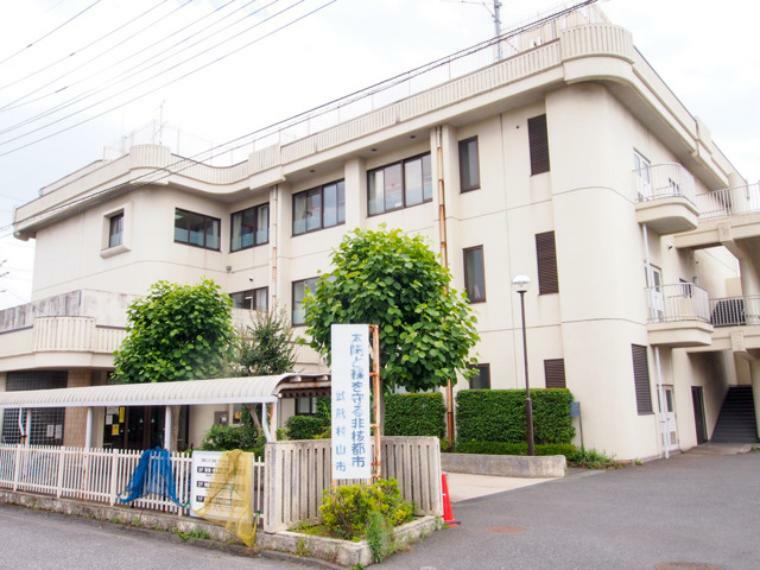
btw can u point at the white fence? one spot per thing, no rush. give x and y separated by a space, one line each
729 201
677 302
656 181
735 311
97 475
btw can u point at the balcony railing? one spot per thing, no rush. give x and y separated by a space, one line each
735 311
678 302
729 201
657 181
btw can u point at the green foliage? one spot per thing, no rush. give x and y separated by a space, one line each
415 414
244 436
379 537
265 346
427 330
345 510
508 448
306 427
176 332
591 459
499 415
193 534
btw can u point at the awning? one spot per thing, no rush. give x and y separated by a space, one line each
244 390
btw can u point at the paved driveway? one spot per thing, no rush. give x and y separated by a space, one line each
691 508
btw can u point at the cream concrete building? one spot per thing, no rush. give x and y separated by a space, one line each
568 160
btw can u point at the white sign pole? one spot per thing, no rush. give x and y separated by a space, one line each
350 387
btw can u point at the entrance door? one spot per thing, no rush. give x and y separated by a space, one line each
697 398
669 428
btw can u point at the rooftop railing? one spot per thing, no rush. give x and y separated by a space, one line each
677 302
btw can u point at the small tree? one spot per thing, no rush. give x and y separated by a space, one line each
176 332
427 329
265 346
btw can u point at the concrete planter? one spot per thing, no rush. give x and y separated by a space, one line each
505 465
344 553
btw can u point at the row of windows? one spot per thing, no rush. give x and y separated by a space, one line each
554 375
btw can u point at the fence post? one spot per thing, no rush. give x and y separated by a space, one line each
17 467
59 480
114 475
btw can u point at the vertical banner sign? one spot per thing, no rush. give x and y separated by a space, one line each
350 387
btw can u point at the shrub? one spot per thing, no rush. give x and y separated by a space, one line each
245 436
346 510
415 414
379 537
590 459
508 448
306 427
499 415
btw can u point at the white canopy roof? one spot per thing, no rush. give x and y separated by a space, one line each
245 390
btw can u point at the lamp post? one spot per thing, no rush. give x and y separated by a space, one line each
520 283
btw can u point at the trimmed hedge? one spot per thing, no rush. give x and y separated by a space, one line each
499 415
505 448
306 427
415 414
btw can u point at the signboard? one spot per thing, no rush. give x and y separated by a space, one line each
351 445
203 469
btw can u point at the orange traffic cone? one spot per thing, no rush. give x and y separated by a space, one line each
448 513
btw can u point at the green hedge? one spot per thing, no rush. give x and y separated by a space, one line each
415 414
306 427
499 415
505 448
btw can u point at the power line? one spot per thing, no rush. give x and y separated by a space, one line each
183 76
83 48
50 33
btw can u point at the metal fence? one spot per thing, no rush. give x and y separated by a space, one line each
729 201
735 311
677 302
656 181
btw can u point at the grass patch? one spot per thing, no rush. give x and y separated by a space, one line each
192 534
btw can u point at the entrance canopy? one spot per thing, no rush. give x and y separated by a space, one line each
243 390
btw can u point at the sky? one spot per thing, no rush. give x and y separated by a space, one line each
705 51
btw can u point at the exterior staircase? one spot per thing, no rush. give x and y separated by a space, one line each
736 423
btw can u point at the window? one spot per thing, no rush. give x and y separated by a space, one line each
539 145
469 170
554 373
299 293
253 299
546 254
319 208
641 379
197 229
306 405
249 227
399 185
481 380
116 229
474 274
643 169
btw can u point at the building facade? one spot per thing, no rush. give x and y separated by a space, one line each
569 160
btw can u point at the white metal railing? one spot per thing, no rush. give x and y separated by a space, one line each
657 181
729 201
735 311
677 302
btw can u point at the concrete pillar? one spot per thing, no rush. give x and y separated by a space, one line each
273 421
168 443
750 289
88 429
280 286
755 368
274 236
355 174
739 197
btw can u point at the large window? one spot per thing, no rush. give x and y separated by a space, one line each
299 293
469 169
197 229
252 299
482 378
319 208
539 145
116 229
249 227
399 185
474 274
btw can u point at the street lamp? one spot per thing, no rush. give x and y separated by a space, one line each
520 284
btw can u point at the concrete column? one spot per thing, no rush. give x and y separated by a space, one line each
273 421
355 174
739 196
274 236
88 429
168 443
750 289
280 286
755 368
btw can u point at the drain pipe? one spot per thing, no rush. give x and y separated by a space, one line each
656 349
274 216
443 244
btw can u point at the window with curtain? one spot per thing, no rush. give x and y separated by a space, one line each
399 185
250 227
319 208
298 314
196 229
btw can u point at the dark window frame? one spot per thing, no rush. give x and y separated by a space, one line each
549 363
111 218
467 277
402 163
206 218
253 296
242 212
538 139
322 225
462 145
644 405
293 299
545 287
479 367
313 406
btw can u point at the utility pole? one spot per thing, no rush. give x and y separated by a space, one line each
496 15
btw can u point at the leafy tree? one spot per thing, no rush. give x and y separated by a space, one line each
265 346
388 278
176 332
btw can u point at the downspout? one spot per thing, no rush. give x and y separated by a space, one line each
274 215
655 349
443 244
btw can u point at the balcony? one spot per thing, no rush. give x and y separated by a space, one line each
665 198
737 325
679 316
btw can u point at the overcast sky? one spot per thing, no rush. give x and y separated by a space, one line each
706 51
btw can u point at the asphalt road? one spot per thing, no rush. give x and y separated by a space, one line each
703 510
30 539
